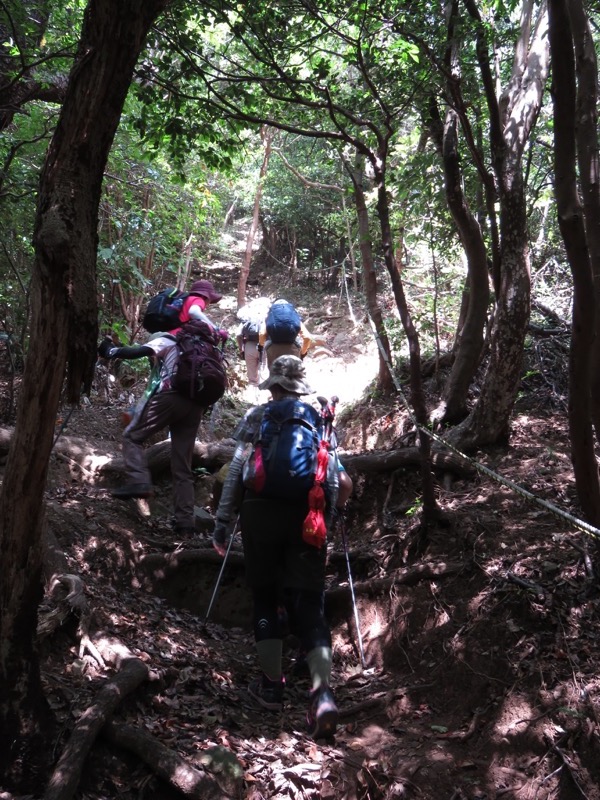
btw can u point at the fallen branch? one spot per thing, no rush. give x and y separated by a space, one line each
74 602
535 588
67 773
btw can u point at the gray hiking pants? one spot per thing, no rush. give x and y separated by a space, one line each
252 359
182 417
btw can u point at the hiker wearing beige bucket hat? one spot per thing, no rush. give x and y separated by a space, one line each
289 374
278 445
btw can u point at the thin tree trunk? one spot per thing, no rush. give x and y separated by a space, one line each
586 68
267 135
469 345
430 509
384 380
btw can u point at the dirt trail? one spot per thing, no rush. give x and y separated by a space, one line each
480 685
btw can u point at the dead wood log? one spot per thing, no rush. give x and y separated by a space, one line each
404 577
159 564
89 460
65 778
67 593
210 455
379 702
166 763
387 460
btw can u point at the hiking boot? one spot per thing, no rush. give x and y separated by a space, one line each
267 692
133 490
322 714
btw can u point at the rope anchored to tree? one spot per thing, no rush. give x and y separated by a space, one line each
580 524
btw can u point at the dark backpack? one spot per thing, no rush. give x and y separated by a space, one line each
283 323
251 330
283 462
163 310
200 373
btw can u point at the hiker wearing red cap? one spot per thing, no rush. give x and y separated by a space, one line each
202 294
171 403
279 554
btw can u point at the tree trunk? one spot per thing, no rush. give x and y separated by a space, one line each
511 121
63 330
586 130
384 379
470 339
573 229
430 509
267 137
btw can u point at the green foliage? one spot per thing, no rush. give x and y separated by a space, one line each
334 78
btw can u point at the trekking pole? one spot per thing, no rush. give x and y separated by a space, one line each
220 575
328 414
351 584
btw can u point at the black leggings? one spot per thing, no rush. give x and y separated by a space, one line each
305 612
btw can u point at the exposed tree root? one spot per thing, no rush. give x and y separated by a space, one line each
167 764
65 778
406 577
91 464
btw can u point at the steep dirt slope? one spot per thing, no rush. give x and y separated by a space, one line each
480 675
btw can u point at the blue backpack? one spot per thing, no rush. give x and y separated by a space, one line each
283 322
283 462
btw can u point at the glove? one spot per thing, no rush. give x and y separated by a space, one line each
223 335
220 538
106 348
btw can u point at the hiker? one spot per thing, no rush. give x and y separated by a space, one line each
163 405
202 294
247 341
283 333
278 559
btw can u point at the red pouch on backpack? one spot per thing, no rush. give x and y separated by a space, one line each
314 530
253 471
